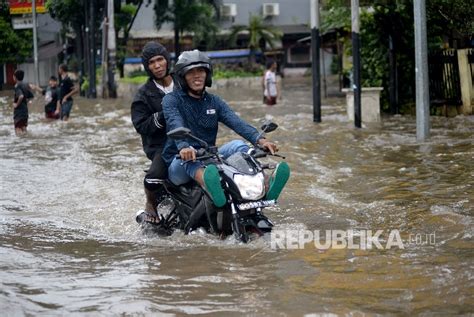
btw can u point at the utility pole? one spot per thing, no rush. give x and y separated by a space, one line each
35 43
356 62
105 54
421 72
315 60
112 49
85 50
92 84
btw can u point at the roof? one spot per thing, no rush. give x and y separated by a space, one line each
294 29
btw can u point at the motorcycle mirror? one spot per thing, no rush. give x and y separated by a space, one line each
269 126
179 133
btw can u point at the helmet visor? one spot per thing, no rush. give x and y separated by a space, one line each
186 69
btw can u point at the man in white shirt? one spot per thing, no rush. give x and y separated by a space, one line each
271 90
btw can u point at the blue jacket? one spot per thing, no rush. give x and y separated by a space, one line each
202 117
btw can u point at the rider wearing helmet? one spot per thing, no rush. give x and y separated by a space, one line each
194 108
189 60
148 120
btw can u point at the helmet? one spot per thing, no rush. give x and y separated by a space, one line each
152 49
193 59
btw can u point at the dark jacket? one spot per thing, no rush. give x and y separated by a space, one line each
147 117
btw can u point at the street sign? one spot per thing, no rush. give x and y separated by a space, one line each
24 6
25 22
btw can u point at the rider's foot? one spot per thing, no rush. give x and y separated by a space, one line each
151 201
148 217
212 181
278 180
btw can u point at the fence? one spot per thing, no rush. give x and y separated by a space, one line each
445 85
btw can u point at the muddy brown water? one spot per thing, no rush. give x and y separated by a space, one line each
69 244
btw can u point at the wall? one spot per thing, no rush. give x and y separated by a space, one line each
47 68
291 12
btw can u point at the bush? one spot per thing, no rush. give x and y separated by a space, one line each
237 70
139 80
219 71
138 73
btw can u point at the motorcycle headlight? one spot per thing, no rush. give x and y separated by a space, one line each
251 187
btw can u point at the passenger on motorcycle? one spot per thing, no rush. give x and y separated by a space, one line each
149 122
194 108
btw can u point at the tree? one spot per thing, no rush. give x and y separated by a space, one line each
76 16
124 19
259 34
16 44
196 16
387 30
450 21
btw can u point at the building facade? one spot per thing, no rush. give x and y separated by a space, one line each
292 17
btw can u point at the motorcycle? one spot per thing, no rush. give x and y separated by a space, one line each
243 181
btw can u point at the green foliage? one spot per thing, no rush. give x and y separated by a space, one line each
73 64
16 45
123 20
233 71
394 19
220 71
85 84
138 80
124 17
451 18
69 12
257 32
335 62
373 51
138 73
336 16
195 16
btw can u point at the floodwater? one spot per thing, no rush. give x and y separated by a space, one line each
69 244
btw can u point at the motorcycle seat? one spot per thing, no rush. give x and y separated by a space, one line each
186 188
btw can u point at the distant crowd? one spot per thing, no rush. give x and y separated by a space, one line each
58 95
58 98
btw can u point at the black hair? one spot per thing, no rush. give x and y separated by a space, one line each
19 74
63 67
53 78
270 63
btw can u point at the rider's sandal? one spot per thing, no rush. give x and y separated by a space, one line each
147 217
278 180
212 180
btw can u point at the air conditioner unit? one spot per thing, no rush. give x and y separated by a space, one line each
229 10
271 9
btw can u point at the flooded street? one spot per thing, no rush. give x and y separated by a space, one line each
69 244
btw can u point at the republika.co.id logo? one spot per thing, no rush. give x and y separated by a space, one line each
347 239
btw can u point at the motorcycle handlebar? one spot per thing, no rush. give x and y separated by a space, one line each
258 152
198 158
199 153
263 152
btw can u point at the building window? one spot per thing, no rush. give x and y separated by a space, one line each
299 54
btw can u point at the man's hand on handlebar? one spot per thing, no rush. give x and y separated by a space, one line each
270 146
188 154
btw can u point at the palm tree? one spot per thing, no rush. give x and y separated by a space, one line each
196 16
257 32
